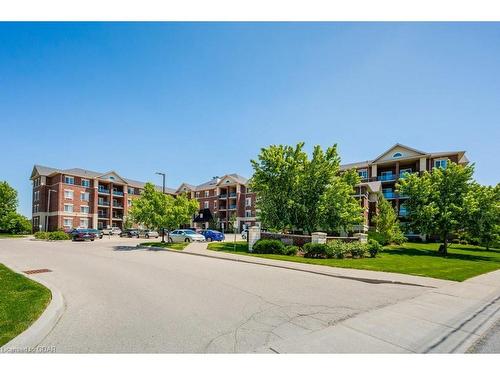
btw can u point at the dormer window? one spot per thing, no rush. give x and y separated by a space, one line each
397 155
111 178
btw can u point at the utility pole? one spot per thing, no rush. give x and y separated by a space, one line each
163 190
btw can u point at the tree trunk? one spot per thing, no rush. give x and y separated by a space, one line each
443 249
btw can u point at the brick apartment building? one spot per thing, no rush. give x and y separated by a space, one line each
380 175
79 198
76 197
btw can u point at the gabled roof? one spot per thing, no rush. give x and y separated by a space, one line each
187 186
396 146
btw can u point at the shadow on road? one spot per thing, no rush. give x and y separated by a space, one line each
132 248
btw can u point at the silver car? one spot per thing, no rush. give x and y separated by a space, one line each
185 235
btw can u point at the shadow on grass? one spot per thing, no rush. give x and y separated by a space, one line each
434 253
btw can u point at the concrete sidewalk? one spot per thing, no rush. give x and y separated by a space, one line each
449 318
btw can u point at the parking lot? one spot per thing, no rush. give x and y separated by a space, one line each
123 299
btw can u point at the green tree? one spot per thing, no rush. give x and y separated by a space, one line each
156 210
8 201
483 213
16 223
295 192
436 201
387 223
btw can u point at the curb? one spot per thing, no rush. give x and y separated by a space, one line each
287 267
29 339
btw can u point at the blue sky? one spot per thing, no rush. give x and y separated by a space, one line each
198 100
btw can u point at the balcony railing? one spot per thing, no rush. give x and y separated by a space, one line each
390 195
103 190
102 216
116 192
403 174
117 217
222 196
403 212
103 203
232 206
387 177
232 195
117 205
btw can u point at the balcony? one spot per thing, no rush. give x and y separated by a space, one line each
403 212
117 205
232 195
232 207
103 216
103 190
390 195
222 196
117 217
103 203
387 177
403 174
119 193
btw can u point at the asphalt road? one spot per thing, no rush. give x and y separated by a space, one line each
122 299
490 342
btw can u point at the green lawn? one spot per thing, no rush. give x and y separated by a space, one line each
9 235
418 259
167 245
22 301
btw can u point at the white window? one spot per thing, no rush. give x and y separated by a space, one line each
85 182
197 194
129 202
248 202
35 208
85 196
207 193
36 196
68 222
84 209
69 180
68 194
215 204
363 173
68 207
440 163
84 223
248 213
205 204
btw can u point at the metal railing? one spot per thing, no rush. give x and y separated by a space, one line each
103 190
387 177
222 196
103 203
390 195
116 192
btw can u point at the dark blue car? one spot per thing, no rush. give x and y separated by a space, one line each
212 235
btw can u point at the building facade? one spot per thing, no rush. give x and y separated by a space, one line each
76 197
380 175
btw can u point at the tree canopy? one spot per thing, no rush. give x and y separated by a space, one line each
298 193
10 220
156 210
437 203
387 223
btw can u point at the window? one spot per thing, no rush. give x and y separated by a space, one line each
84 223
84 209
36 182
85 182
205 204
215 204
248 202
36 223
131 190
68 194
68 222
363 173
69 180
129 202
85 196
440 163
36 196
35 208
206 193
248 213
68 207
197 194
397 155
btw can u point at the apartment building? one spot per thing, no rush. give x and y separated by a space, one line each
223 200
380 175
79 198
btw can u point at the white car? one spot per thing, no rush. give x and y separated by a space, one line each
185 235
112 230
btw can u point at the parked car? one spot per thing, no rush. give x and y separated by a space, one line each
97 233
185 235
213 235
112 230
244 234
130 233
148 233
82 235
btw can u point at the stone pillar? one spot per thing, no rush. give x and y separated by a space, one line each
318 237
253 236
363 237
374 171
422 164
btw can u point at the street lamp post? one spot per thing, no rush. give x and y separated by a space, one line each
48 210
163 190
